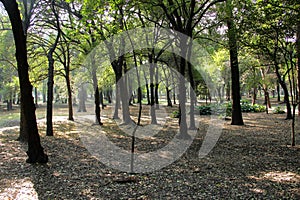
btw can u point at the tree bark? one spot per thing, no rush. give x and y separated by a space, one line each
278 91
193 98
156 87
49 130
70 98
236 118
36 97
152 93
147 88
82 97
285 91
97 106
35 150
298 64
96 92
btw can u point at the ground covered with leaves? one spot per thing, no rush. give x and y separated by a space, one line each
254 161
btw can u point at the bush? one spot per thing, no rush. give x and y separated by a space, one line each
259 108
175 114
278 110
226 108
204 110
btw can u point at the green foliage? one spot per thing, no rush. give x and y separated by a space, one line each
175 114
204 110
278 110
226 108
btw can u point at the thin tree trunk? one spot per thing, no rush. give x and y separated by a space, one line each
298 64
97 106
36 97
49 131
125 97
192 97
70 98
147 88
254 96
285 91
278 91
152 99
156 87
117 104
82 97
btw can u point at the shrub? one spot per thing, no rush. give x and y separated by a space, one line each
278 110
226 108
175 114
204 110
259 108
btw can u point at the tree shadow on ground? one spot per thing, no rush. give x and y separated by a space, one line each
246 163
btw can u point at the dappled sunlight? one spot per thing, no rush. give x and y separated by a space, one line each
19 189
277 176
258 190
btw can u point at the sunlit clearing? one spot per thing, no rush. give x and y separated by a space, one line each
19 190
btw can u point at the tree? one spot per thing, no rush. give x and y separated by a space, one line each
184 17
49 131
35 150
265 26
236 117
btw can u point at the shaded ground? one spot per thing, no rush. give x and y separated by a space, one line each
251 161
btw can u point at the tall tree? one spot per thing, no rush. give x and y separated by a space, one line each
35 150
184 17
49 130
27 16
236 118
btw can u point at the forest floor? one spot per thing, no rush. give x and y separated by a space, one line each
253 161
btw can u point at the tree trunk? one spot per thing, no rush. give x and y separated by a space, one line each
147 88
182 89
44 92
152 99
192 98
49 131
254 96
156 87
298 64
102 99
293 138
124 97
70 98
285 91
36 97
278 92
23 136
96 92
108 93
236 118
117 104
35 150
97 106
82 98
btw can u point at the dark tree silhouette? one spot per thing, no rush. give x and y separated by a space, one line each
35 150
236 118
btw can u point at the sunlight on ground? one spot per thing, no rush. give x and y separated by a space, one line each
279 177
19 190
258 190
